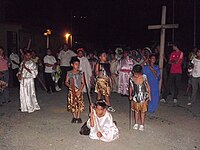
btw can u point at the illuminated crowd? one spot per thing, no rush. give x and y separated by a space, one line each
134 73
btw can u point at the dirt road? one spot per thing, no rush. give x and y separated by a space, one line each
172 127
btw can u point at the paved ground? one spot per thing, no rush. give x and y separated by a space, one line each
172 127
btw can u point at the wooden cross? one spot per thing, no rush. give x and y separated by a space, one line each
162 27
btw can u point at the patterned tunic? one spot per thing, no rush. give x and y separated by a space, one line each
75 102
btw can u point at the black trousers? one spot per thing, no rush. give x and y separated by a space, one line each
64 71
15 79
174 80
49 82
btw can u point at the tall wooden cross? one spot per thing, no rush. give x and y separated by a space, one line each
162 27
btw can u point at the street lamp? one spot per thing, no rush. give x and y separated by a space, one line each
47 34
68 38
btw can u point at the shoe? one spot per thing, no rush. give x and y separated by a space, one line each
189 104
111 109
141 128
135 127
79 120
58 89
163 100
73 120
175 100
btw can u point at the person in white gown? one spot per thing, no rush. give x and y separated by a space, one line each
124 68
85 67
101 123
27 72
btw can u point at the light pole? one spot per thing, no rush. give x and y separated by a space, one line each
47 34
68 38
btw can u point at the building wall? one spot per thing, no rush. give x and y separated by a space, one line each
24 34
4 28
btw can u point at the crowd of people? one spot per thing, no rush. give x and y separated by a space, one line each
132 73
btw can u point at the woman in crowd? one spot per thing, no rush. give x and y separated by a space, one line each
4 76
152 71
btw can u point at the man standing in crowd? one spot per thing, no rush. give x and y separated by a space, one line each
64 57
195 76
50 66
92 60
85 67
175 60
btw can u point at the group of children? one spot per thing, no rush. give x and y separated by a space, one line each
101 124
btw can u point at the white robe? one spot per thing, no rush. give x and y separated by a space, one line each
104 125
86 68
28 100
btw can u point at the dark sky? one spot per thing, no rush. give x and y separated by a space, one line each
107 21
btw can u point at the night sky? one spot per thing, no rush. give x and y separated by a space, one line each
107 21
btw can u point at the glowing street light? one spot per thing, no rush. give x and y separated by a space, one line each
47 34
68 38
67 35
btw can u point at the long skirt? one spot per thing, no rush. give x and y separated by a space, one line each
123 82
28 98
103 86
75 103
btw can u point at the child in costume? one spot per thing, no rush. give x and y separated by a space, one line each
27 72
101 123
139 94
75 83
103 74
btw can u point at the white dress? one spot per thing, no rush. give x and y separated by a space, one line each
104 125
28 100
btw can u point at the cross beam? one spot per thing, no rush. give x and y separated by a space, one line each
162 28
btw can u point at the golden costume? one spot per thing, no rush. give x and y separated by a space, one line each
103 81
75 102
142 106
103 86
